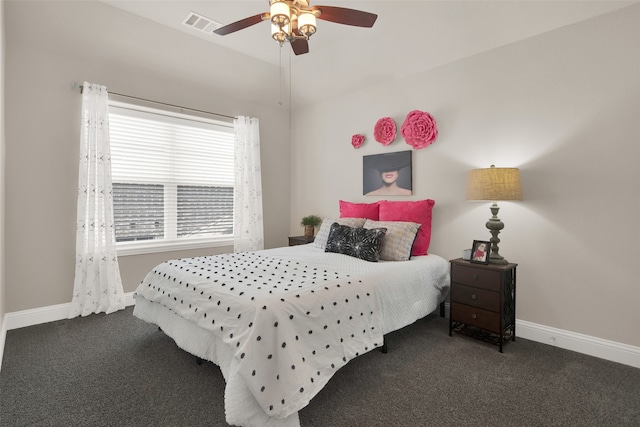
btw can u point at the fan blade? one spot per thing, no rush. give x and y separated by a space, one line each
242 24
300 46
345 16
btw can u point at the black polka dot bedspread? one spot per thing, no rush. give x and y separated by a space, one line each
291 324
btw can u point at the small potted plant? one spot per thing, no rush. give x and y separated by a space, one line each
310 222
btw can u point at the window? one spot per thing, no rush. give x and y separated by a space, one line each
173 180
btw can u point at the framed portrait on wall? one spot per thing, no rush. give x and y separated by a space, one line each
387 174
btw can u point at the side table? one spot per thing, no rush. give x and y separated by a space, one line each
300 240
483 301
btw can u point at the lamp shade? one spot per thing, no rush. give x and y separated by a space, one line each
307 24
280 13
279 34
494 184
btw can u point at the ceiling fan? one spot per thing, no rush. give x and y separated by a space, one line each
295 21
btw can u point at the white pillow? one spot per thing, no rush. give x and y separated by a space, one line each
397 243
323 234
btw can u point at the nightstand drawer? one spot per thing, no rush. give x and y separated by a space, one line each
300 240
478 317
477 277
476 297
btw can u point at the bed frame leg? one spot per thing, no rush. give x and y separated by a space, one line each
384 349
442 310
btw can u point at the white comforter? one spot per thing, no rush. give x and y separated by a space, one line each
281 322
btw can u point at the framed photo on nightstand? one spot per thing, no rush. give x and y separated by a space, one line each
480 252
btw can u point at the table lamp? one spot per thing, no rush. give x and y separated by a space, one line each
494 184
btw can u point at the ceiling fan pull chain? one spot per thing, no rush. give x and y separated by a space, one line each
290 89
281 75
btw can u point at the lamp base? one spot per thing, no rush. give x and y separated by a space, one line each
495 225
497 259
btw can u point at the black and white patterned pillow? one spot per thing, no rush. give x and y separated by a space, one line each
356 242
323 234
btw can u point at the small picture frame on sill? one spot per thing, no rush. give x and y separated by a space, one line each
480 251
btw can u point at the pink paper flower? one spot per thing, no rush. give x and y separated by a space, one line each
357 140
419 129
385 131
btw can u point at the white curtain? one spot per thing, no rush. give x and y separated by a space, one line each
247 211
97 286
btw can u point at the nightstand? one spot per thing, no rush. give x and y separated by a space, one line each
300 240
483 301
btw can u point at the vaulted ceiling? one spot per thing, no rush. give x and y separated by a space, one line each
408 37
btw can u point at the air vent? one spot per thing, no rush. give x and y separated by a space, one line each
201 23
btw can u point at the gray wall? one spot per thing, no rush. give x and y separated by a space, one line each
2 167
48 48
564 107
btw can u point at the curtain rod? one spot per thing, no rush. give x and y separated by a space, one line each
166 104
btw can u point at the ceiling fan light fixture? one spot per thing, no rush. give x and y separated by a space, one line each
307 24
279 34
294 21
280 13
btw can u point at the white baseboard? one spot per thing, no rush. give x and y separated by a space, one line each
585 344
52 313
592 346
3 336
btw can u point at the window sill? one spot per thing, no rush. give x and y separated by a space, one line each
139 248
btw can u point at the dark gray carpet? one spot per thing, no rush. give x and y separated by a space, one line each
116 370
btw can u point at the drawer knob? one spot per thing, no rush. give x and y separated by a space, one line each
475 276
473 296
474 316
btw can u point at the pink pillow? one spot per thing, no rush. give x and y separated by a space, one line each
359 210
419 211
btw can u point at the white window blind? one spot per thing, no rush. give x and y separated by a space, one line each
172 178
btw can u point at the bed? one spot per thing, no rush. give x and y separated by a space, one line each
280 322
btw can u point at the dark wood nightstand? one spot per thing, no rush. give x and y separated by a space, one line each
300 240
483 301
